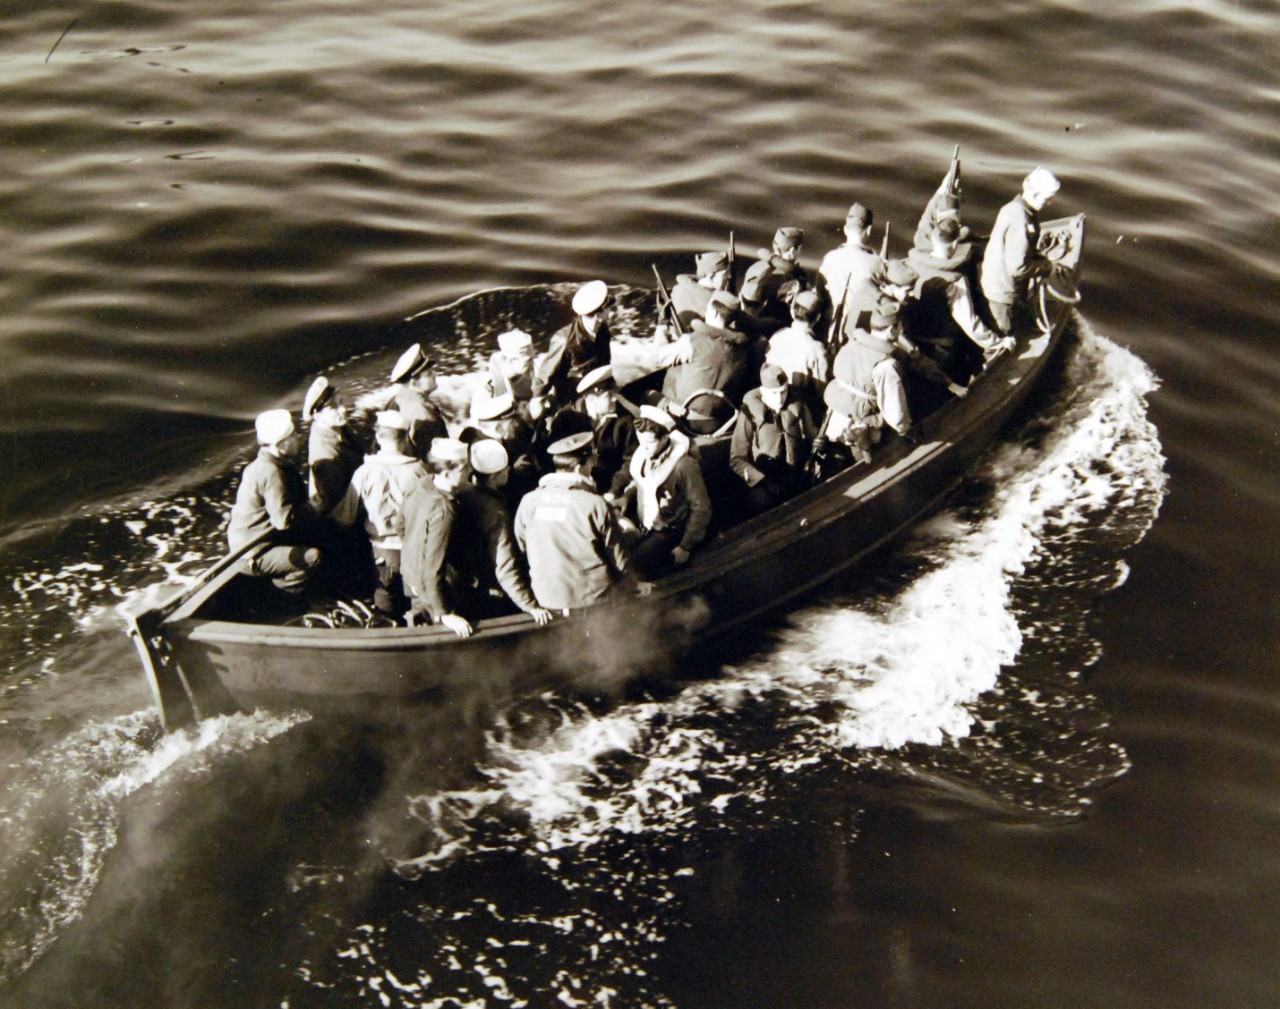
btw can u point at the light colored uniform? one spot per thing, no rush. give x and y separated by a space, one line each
572 540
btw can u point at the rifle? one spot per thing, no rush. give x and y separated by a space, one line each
664 303
837 321
731 283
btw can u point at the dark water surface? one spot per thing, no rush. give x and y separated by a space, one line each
1027 758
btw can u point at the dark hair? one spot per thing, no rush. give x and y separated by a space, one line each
948 229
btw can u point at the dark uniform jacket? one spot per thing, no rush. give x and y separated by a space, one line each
481 553
271 495
721 360
333 454
771 445
428 525
573 352
615 442
571 537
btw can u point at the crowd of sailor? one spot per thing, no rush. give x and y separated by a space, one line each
558 490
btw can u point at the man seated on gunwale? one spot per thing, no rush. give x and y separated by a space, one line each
376 496
430 510
272 497
413 380
570 534
484 569
771 441
666 494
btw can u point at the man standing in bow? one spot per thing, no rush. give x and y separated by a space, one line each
1013 257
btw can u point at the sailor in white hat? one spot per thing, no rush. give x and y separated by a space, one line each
577 348
613 426
413 380
430 511
377 492
1012 256
485 574
271 504
569 533
673 509
333 451
511 367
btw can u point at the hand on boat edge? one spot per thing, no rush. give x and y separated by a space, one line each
459 625
541 616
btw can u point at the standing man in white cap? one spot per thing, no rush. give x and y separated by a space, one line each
1013 257
333 453
273 497
569 532
378 490
413 380
577 348
672 507
430 510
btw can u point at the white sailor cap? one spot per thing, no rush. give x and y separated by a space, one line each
320 392
658 416
514 340
1041 180
410 363
392 419
448 450
485 407
572 444
596 378
591 297
273 426
488 456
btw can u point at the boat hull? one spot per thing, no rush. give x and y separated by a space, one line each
753 569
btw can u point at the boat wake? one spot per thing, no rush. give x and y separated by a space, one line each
954 665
